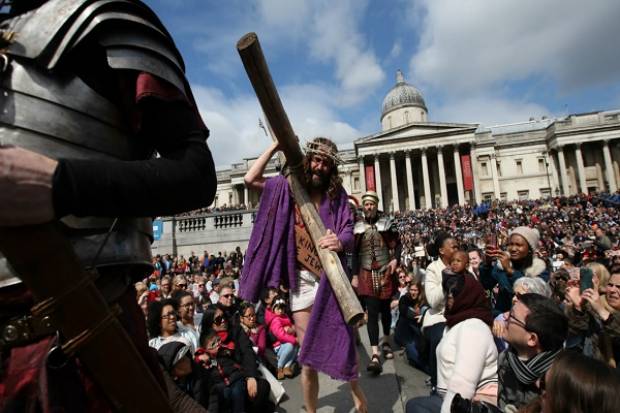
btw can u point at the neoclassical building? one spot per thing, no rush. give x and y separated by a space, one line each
414 163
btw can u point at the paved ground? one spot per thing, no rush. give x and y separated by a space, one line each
387 392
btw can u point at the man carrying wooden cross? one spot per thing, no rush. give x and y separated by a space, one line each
280 252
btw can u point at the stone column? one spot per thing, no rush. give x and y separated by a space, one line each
474 171
246 196
395 200
410 188
563 174
378 181
362 175
442 178
580 169
427 182
554 174
459 175
609 169
495 176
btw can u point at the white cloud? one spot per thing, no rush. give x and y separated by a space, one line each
488 110
233 122
470 45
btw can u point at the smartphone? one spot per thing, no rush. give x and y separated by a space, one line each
493 240
585 279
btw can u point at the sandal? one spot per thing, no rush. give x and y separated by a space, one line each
387 351
375 365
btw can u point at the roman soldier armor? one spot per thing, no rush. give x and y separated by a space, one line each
59 64
377 244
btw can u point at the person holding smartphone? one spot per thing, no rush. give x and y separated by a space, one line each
503 268
594 317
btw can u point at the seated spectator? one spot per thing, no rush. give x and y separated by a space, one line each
463 369
214 294
176 359
443 247
186 322
165 288
475 259
597 320
228 303
518 261
535 332
255 332
162 325
577 384
179 283
285 344
523 285
408 333
238 348
267 297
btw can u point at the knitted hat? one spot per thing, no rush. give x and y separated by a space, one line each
531 235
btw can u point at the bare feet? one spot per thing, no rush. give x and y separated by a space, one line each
359 399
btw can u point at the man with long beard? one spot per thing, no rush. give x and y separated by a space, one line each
281 252
377 254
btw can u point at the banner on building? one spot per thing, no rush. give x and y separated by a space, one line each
468 177
158 229
370 177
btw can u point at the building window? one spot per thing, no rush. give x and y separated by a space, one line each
389 122
503 196
230 198
487 196
519 163
545 192
523 195
541 165
484 169
406 117
499 168
356 184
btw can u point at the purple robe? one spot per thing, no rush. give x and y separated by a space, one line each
329 344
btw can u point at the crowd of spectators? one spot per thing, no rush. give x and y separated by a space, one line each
541 290
493 303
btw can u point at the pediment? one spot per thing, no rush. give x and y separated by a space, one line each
424 130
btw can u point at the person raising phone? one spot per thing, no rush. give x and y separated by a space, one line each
519 260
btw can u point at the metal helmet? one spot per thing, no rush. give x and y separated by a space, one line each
370 196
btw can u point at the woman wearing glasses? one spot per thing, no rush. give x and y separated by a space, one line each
162 325
219 338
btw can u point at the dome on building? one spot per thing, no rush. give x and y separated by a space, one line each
401 95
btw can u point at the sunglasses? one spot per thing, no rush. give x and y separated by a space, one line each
228 295
182 285
219 320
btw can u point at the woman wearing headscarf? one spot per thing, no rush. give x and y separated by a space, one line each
470 372
519 260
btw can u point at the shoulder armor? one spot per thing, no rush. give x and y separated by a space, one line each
360 227
384 223
131 34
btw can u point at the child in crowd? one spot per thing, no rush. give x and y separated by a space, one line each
225 375
285 344
459 264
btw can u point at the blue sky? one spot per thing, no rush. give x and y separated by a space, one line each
475 61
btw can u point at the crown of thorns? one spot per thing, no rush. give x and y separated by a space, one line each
323 149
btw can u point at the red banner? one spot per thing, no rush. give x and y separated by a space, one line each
370 177
468 177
